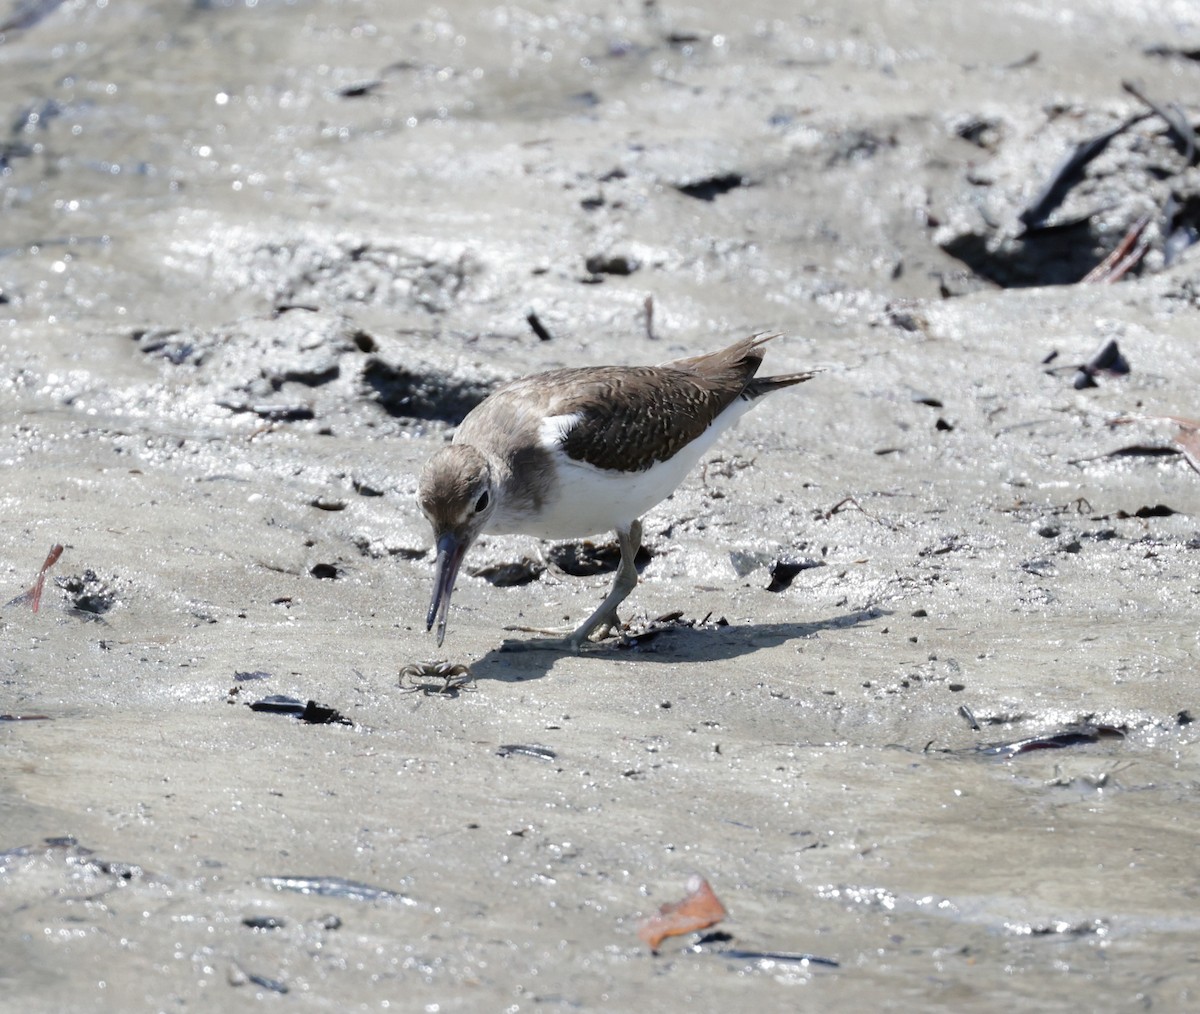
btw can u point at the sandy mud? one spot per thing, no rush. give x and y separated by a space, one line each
910 677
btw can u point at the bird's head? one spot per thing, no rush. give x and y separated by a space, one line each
457 497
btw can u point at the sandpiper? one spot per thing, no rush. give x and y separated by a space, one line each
575 452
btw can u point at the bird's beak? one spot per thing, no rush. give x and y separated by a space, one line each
450 552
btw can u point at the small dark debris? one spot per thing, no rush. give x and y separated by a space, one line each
947 544
942 426
919 613
1068 172
522 750
509 575
778 957
969 717
25 718
1184 718
758 957
1108 360
1133 451
586 559
1056 929
245 677
318 714
612 264
784 572
643 638
324 572
279 704
537 327
360 89
1181 226
331 504
263 922
310 712
364 488
1177 123
406 553
334 887
274 985
905 317
931 402
122 871
711 187
1160 510
364 342
88 593
270 412
1077 736
978 131
1162 49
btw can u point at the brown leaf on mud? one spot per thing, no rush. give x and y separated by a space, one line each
33 594
699 910
1188 441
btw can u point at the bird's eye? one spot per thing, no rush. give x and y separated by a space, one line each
482 502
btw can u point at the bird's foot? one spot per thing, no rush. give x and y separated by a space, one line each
563 639
563 645
558 632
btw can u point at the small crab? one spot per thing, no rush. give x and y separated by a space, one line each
456 675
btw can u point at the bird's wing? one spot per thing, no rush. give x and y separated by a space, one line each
628 418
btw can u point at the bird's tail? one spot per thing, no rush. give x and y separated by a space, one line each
760 386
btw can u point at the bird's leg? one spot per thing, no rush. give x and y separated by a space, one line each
605 617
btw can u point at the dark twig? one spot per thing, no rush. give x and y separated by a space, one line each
1177 124
1060 182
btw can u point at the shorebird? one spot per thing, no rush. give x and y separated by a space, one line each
575 452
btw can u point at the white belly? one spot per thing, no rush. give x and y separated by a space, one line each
593 500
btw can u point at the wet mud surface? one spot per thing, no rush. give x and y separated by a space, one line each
909 678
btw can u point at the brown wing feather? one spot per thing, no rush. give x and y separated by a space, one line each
640 415
630 417
634 416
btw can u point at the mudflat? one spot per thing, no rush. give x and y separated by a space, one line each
910 674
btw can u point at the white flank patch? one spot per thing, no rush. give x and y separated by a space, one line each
593 500
554 429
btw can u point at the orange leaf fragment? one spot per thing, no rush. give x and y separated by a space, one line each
699 910
1187 439
35 592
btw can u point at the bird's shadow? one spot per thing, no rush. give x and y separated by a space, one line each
679 643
